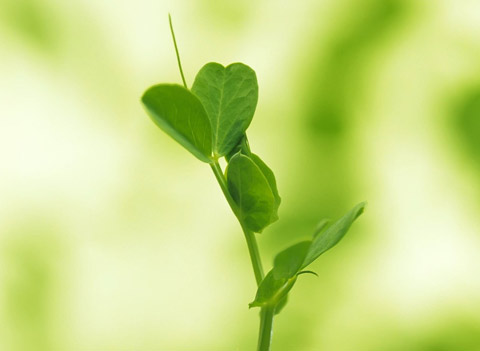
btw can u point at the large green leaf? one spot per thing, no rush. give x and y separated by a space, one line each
229 95
321 226
268 173
289 262
181 115
250 191
272 291
333 234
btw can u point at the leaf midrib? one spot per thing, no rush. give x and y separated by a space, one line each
220 109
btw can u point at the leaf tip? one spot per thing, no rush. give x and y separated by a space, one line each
361 208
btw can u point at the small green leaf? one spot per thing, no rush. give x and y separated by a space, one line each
181 115
268 173
333 234
288 262
271 290
242 146
229 95
250 191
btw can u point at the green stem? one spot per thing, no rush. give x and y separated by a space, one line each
267 313
266 328
249 235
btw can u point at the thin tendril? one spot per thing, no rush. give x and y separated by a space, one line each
176 51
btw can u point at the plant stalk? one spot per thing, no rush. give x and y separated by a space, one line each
249 235
266 313
266 328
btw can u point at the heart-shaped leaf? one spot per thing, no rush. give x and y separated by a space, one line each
332 235
181 115
289 262
250 191
229 95
268 173
272 290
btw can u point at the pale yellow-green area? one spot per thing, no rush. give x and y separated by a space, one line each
113 238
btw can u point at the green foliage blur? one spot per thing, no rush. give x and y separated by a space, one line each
112 237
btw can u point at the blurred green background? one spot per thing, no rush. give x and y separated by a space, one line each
114 238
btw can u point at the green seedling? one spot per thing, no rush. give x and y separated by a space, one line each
210 121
